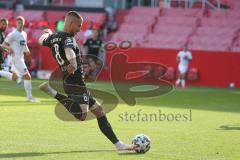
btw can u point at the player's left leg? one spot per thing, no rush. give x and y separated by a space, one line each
106 128
178 81
28 87
183 71
183 82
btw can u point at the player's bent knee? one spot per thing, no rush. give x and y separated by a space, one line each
14 77
97 110
27 77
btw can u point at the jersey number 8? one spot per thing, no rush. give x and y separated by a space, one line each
57 55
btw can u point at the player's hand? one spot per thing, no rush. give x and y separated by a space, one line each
71 69
9 51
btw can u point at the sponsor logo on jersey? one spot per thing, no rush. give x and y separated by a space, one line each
22 42
69 41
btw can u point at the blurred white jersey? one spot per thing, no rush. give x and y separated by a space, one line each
184 57
8 63
17 41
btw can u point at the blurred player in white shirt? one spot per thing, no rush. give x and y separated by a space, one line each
16 44
183 58
7 64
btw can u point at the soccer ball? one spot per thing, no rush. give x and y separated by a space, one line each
142 143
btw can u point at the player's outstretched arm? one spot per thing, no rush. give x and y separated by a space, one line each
27 50
46 34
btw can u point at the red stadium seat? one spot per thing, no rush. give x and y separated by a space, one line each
144 11
5 13
181 12
53 16
30 15
175 27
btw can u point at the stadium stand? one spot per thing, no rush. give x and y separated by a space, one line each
64 2
37 20
213 30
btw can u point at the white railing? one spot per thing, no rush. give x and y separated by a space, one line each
190 3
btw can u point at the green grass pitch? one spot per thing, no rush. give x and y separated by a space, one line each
32 131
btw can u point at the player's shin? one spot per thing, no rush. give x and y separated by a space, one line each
28 88
106 129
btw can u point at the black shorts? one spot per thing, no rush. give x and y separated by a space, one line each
75 87
83 99
1 59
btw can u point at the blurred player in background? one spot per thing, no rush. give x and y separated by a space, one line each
95 53
3 27
16 44
69 58
183 58
88 33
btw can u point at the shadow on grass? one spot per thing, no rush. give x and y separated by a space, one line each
129 153
25 103
229 127
37 154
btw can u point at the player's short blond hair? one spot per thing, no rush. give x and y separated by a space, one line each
21 18
75 14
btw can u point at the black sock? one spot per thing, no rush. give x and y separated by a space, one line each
60 97
106 129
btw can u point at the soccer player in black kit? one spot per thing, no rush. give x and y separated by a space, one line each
95 53
3 27
66 51
93 46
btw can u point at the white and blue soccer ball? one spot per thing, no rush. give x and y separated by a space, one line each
142 143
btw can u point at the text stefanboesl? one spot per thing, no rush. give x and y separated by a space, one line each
160 116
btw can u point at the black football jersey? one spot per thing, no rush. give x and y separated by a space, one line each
93 46
58 42
2 37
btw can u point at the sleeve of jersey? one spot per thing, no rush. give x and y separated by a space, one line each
46 42
68 43
190 55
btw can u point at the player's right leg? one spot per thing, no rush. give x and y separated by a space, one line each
10 76
182 70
